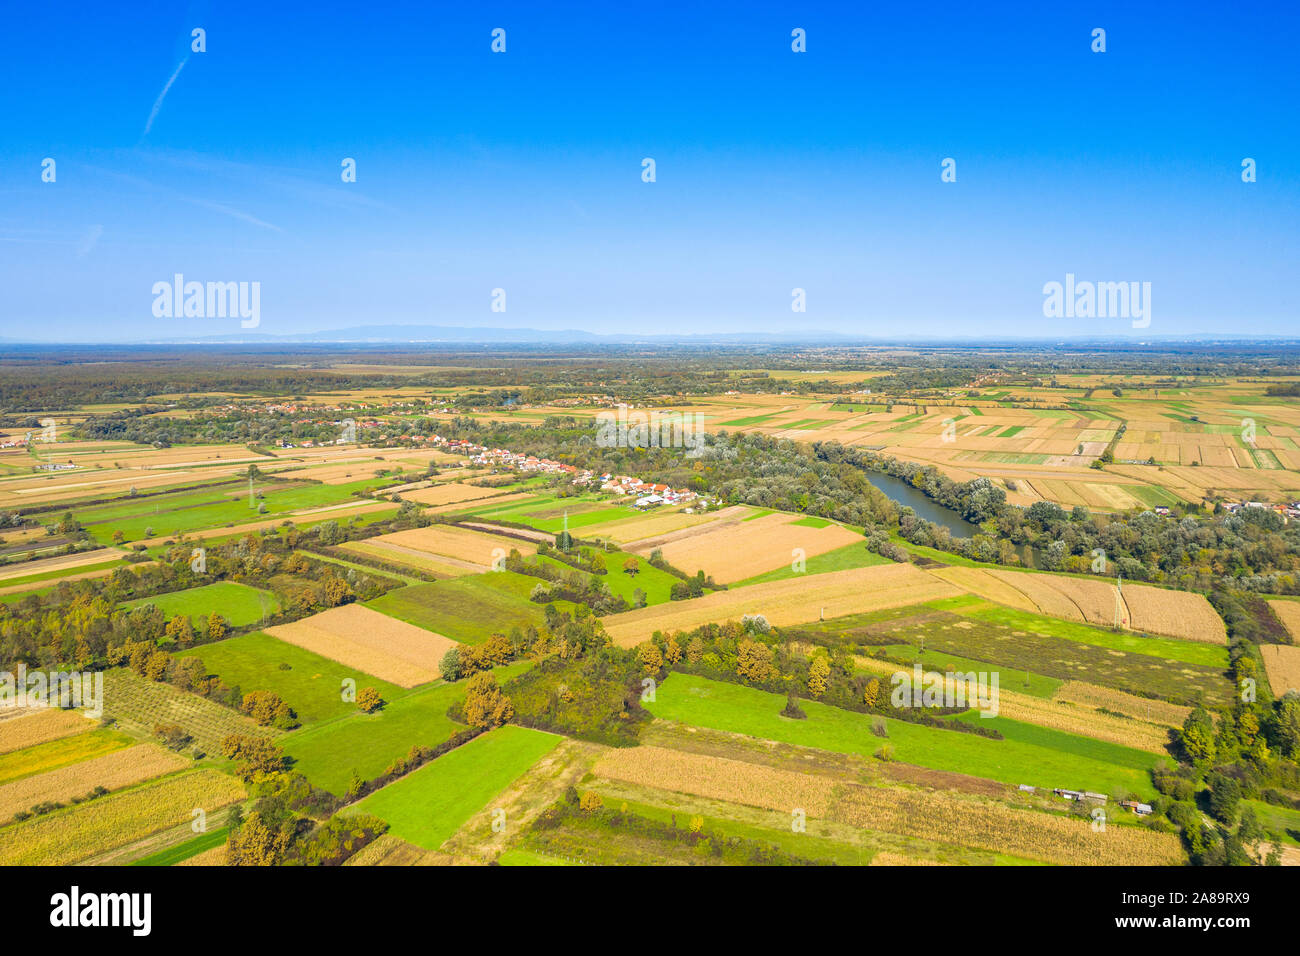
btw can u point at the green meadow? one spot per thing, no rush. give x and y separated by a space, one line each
237 603
426 807
367 744
1043 758
469 609
312 685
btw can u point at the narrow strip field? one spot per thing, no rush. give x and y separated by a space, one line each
794 600
66 836
28 727
111 771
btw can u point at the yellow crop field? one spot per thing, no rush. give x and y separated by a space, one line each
1094 599
796 600
733 552
214 857
1174 613
1282 664
983 584
1181 614
459 544
1143 708
449 494
114 770
642 530
1037 588
718 778
1288 612
29 727
67 836
372 642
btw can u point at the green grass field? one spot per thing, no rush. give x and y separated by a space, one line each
1166 648
183 851
853 555
367 744
237 603
469 609
426 807
209 509
1020 681
1031 755
310 684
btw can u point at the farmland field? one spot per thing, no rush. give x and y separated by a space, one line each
112 771
429 805
66 836
139 705
371 642
787 601
734 552
1031 755
467 610
1282 664
310 683
237 603
28 728
367 744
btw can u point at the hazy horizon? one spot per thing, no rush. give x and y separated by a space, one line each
775 170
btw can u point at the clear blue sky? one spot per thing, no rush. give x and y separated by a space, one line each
775 170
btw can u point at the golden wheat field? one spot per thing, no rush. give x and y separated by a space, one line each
114 770
642 532
796 600
1288 612
27 727
1037 589
66 836
718 778
1181 614
450 493
983 584
372 642
409 558
734 552
1282 664
214 857
1150 710
459 544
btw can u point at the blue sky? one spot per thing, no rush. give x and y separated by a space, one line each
775 170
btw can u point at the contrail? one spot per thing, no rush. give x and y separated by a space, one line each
157 105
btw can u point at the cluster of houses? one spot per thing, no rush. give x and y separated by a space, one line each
1141 809
1287 511
646 494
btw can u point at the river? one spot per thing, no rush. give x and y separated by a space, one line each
903 493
